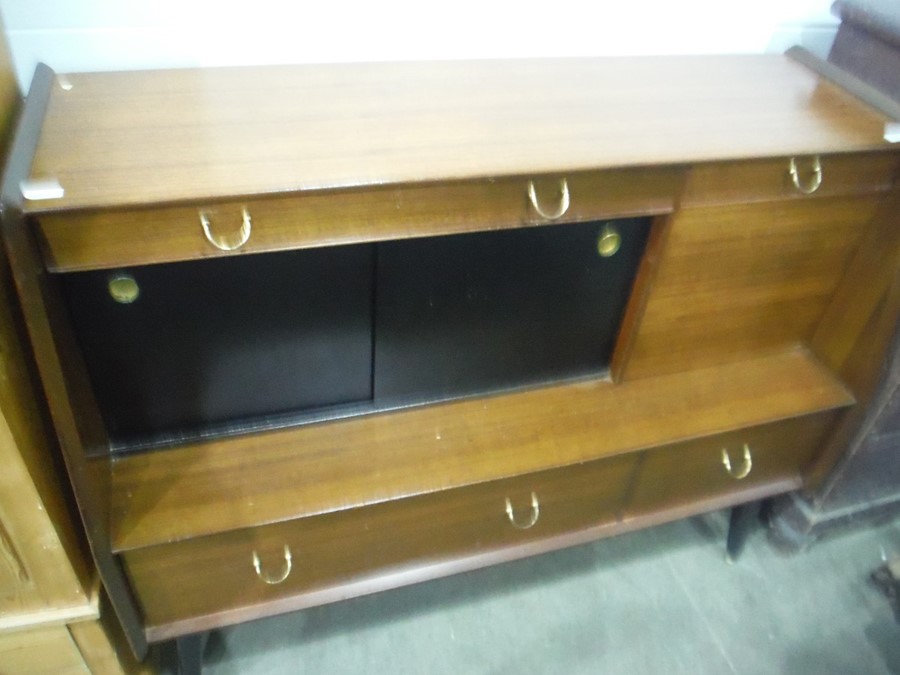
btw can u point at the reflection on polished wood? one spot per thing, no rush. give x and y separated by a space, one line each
759 315
243 481
117 139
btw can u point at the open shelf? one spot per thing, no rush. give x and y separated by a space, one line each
208 487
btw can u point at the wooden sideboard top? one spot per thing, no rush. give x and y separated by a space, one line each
132 138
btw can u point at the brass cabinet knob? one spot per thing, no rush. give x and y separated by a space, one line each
609 241
123 288
535 514
744 470
285 570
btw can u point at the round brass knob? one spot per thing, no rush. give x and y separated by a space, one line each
124 289
609 242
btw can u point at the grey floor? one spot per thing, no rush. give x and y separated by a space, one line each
657 601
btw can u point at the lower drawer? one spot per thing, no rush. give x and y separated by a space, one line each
713 467
286 566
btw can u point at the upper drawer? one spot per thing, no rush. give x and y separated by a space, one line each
265 570
789 178
108 239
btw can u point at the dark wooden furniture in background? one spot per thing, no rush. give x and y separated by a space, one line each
865 483
761 307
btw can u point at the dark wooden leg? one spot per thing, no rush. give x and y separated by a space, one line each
181 656
190 653
743 518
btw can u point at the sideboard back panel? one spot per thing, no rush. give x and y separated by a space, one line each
479 312
223 340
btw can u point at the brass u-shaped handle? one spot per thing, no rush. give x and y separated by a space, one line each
816 181
222 243
285 571
744 471
535 514
563 200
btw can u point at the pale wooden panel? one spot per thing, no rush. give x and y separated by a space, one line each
117 139
745 279
37 573
13 575
45 568
9 92
103 647
40 651
42 567
206 488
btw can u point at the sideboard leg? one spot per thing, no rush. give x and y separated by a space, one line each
190 653
743 518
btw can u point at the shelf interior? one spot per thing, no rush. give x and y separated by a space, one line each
208 487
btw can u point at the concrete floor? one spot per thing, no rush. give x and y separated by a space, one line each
657 601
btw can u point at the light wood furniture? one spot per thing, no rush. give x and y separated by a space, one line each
751 332
50 597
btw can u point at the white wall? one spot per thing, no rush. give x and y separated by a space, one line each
79 35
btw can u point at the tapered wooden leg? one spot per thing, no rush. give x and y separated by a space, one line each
741 523
184 655
190 653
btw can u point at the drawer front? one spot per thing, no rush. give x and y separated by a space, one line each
104 239
377 544
713 467
772 179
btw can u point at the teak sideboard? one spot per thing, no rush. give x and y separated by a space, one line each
311 332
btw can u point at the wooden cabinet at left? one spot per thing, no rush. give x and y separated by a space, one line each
52 614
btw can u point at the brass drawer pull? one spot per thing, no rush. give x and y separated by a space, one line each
816 181
220 242
744 471
563 200
286 570
535 513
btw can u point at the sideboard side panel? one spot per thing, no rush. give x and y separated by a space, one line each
74 415
857 328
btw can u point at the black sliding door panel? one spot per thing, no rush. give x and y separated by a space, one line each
473 313
224 340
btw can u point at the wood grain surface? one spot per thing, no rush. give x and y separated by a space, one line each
74 414
858 327
49 650
106 238
718 183
395 577
691 471
336 548
244 481
745 279
117 139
